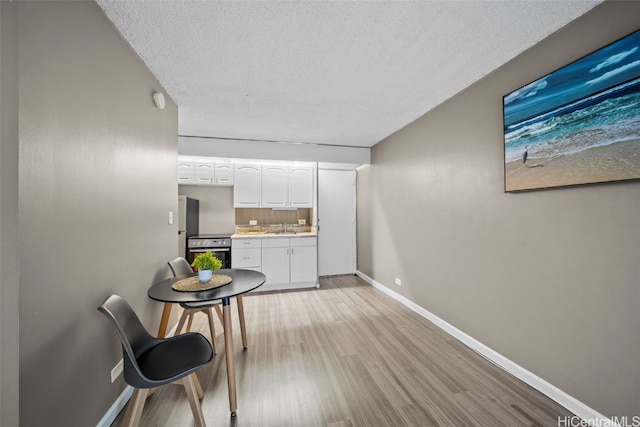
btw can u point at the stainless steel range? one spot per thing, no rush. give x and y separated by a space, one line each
218 244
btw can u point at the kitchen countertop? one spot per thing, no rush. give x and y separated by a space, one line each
312 233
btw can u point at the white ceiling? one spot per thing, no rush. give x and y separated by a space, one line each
326 72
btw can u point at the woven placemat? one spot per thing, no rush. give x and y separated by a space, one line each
193 284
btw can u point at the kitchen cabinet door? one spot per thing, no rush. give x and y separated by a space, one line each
204 172
274 186
247 188
304 264
275 265
301 187
185 172
224 174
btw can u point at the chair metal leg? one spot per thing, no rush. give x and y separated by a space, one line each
194 401
135 406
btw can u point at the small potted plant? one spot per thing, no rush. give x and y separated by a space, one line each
206 263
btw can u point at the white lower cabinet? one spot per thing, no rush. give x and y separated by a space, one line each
275 260
288 263
246 253
304 262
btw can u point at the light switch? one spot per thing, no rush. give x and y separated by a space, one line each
170 218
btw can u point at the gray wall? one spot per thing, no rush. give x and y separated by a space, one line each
8 215
550 279
217 214
97 178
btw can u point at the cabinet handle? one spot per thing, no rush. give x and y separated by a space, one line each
246 257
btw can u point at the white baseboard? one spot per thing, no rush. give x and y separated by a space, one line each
111 415
572 404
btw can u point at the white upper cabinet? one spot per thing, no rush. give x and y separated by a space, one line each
280 186
275 186
185 172
256 184
301 187
284 186
204 172
224 173
247 186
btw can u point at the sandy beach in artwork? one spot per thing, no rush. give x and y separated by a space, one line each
613 162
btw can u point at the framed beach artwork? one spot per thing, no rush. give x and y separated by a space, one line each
577 125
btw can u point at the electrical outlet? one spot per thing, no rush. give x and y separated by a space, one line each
398 282
302 222
117 370
253 222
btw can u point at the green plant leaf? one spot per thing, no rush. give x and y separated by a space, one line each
206 261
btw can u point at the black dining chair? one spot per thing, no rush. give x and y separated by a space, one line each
151 362
179 267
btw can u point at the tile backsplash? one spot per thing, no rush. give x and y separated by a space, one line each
269 216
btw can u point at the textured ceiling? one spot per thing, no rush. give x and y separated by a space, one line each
326 72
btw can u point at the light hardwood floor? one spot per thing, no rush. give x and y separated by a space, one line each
348 355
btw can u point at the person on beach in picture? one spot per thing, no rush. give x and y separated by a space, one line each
525 156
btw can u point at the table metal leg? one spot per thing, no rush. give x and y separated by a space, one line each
228 352
164 320
243 329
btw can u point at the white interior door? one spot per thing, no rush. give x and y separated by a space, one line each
336 218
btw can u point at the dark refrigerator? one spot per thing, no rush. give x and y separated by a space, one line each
188 220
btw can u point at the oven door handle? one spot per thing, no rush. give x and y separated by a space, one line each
208 250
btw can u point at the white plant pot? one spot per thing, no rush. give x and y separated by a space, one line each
205 275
